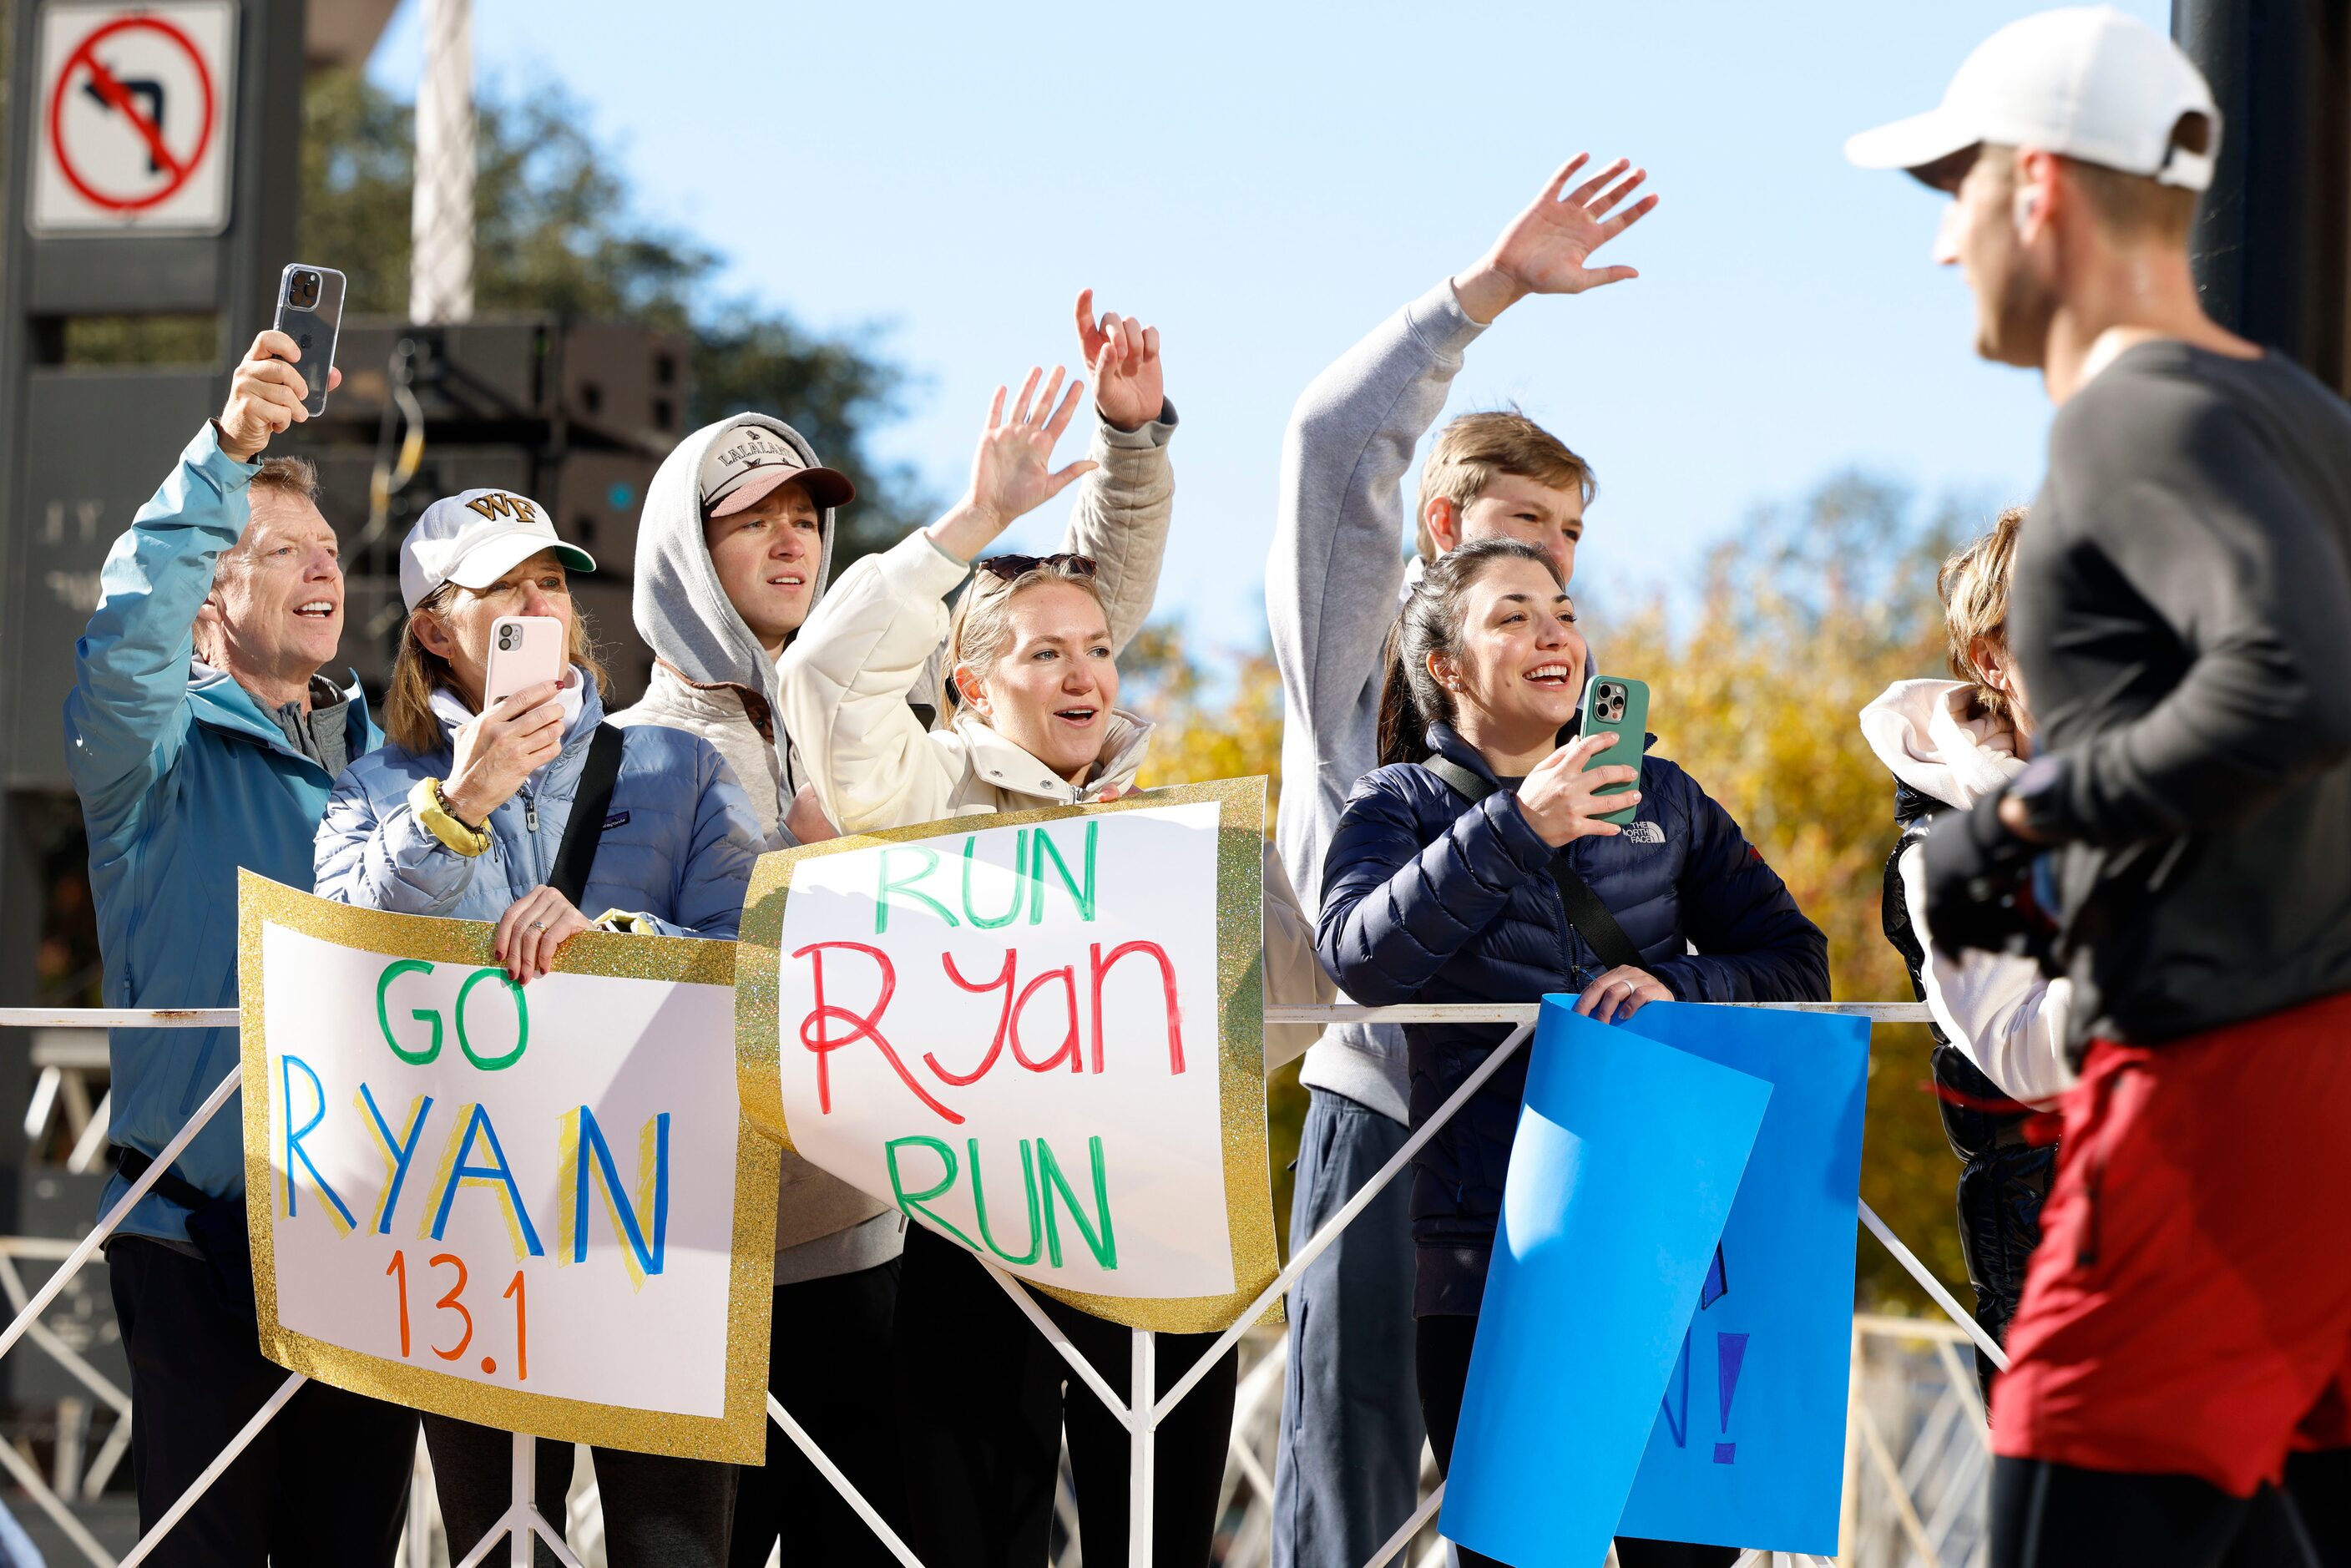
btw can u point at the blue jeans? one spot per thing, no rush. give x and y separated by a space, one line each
1348 1472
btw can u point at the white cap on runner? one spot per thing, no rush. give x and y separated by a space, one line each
2087 82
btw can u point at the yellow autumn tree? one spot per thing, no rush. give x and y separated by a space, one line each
1807 613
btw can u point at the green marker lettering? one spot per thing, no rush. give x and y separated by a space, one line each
1082 897
1019 872
1102 1245
522 1021
882 900
911 1203
980 1202
422 1015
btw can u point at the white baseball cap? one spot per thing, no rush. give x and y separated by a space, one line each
742 466
476 537
2087 82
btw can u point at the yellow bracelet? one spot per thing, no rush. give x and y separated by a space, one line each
431 809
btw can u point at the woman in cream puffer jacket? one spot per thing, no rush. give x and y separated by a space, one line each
1034 687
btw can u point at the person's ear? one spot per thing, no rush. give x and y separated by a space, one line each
967 687
1444 520
1444 670
1990 660
432 636
2036 197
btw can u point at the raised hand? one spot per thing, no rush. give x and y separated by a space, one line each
1546 248
1122 355
265 396
1561 799
1012 473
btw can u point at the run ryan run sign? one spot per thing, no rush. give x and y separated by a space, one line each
538 1208
1040 1035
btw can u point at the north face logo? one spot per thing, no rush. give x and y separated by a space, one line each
1645 832
498 504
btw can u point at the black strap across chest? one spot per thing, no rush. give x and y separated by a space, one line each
1585 913
591 804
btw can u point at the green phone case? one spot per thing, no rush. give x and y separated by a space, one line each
1617 705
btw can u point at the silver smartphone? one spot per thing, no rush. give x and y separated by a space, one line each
310 311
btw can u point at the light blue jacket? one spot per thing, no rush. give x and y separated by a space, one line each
679 843
184 777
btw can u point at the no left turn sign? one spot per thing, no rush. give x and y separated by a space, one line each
134 122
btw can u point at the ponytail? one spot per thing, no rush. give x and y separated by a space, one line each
1404 733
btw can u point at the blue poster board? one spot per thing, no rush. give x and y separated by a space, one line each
1628 1157
1748 1447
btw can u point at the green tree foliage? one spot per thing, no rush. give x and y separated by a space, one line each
555 233
1807 612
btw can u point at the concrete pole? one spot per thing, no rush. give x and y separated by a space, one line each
440 264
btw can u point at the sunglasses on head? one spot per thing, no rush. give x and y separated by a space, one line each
1011 568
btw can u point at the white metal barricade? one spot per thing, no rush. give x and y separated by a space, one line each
1142 1414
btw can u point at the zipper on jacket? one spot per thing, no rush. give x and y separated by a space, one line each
529 811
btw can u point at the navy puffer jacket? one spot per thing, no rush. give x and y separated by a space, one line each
1427 898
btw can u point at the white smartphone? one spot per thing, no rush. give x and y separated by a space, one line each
525 650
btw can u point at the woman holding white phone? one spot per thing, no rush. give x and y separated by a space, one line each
467 813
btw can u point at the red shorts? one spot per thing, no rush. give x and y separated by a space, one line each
2188 1309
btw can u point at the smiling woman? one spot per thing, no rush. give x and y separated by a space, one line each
1032 679
1479 865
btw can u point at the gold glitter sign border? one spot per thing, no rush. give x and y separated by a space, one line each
1241 995
739 1436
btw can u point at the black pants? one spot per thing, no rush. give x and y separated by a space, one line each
324 1484
1441 1357
2046 1515
659 1512
2004 1182
981 1409
829 1366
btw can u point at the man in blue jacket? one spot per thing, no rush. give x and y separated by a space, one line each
202 738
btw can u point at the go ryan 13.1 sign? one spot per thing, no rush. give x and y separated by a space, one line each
1039 1034
538 1208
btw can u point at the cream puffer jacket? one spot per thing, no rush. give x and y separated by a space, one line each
843 685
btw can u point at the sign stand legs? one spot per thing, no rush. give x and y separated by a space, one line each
522 1518
1143 1419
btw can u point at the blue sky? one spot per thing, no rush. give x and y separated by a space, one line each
1266 182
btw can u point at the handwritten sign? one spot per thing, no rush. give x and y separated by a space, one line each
1040 1035
477 1194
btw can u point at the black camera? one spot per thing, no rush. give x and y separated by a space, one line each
302 290
1608 702
506 637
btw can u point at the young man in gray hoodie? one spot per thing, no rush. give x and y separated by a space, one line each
1347 1470
733 550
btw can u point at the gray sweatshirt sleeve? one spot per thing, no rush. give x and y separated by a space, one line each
2184 501
1337 564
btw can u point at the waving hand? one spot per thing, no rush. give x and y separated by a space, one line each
1548 248
1012 471
1124 355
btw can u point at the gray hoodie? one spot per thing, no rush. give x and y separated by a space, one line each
715 681
1332 588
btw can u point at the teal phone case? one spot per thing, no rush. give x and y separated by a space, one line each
1617 705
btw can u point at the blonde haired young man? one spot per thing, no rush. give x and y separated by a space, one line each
1344 1483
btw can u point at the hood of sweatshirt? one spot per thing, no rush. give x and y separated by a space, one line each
1926 737
681 610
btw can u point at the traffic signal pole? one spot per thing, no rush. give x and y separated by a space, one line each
2272 241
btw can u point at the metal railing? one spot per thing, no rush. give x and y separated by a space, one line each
1142 1415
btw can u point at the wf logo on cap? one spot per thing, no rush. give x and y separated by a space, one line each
496 504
